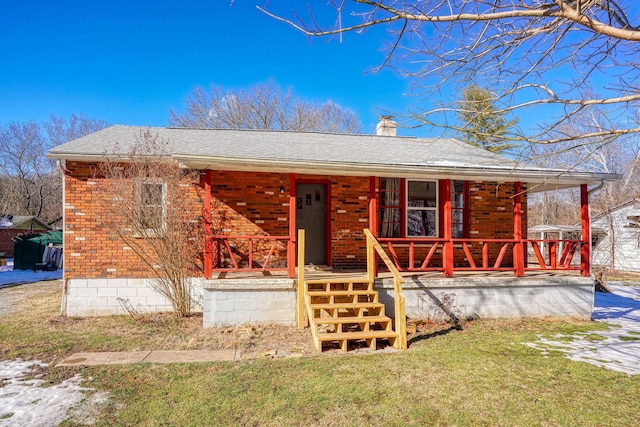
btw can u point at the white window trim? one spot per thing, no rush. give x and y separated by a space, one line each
434 208
151 233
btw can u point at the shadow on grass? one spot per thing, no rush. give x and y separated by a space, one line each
430 335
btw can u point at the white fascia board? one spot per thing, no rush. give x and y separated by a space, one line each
75 157
537 179
545 179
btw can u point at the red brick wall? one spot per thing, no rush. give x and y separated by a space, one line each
491 216
245 203
249 203
91 251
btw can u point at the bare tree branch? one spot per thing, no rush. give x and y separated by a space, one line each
538 56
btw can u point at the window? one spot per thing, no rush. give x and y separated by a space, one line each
422 208
390 207
459 208
150 208
412 208
597 237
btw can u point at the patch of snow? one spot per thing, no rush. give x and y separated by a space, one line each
25 402
9 276
618 348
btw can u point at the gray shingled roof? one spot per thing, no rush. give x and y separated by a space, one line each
320 153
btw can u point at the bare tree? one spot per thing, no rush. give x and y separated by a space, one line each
150 204
30 184
262 106
27 174
607 155
538 55
60 130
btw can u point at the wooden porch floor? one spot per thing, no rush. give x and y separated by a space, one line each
315 273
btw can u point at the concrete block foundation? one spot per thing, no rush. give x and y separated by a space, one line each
240 301
105 297
273 300
569 296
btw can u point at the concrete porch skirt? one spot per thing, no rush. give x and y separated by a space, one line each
234 301
239 301
493 297
271 300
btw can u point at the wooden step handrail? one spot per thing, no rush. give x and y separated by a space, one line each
399 301
302 289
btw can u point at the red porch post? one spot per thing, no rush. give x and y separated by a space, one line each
206 214
447 252
373 219
518 247
585 248
291 246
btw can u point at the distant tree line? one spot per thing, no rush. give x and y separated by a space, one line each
30 184
262 106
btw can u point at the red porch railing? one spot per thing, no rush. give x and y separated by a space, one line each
487 260
249 253
265 253
424 255
403 253
554 254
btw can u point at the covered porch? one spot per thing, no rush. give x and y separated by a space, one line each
396 240
265 277
446 254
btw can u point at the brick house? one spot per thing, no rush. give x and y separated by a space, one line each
441 218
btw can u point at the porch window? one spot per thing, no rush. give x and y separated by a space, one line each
150 208
459 209
390 207
411 208
422 208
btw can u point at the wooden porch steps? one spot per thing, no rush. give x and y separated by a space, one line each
344 311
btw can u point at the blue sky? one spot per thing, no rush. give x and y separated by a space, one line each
128 62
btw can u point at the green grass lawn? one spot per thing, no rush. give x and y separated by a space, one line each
480 375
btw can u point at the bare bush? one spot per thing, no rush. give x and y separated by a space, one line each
150 203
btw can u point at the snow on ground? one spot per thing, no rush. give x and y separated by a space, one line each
24 402
618 348
9 276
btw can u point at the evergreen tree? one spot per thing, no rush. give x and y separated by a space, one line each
480 122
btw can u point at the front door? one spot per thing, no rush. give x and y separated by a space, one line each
311 215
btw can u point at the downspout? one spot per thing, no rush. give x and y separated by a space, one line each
63 300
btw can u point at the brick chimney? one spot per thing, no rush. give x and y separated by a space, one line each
386 126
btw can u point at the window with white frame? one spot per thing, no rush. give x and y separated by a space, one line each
422 208
150 208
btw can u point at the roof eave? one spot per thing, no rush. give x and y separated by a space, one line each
538 180
543 180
